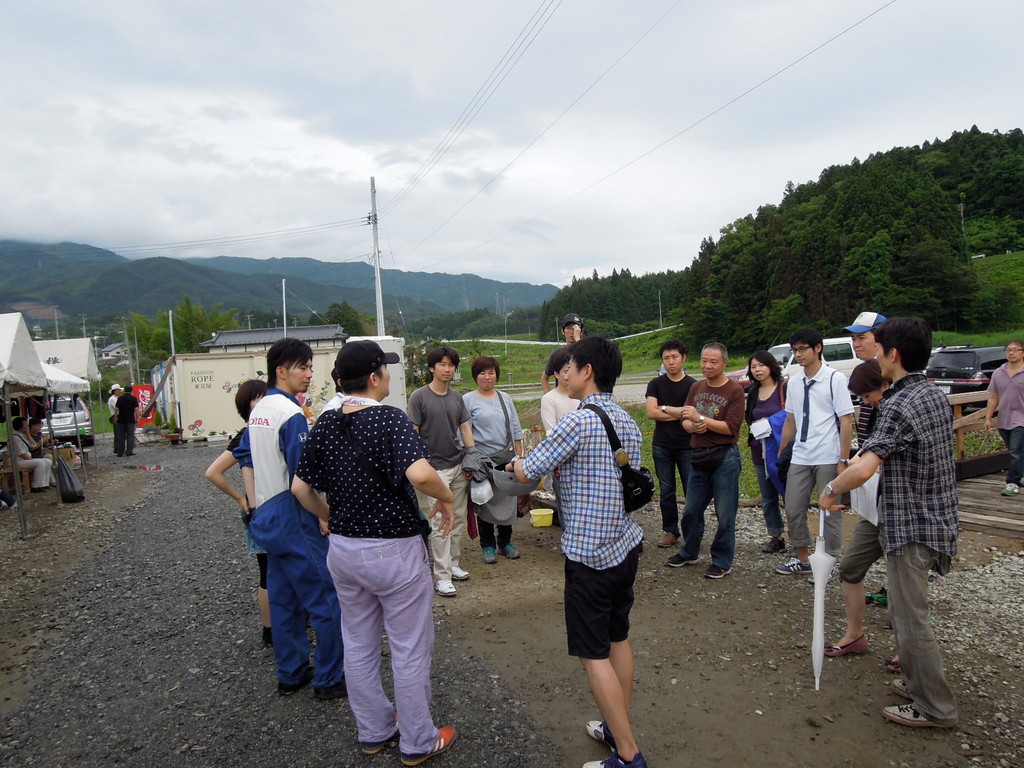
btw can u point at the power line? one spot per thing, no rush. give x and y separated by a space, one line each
238 239
493 81
667 141
550 125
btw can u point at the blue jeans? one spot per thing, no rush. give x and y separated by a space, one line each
769 502
724 486
1014 439
666 462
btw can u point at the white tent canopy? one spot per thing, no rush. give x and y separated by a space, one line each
75 356
18 358
62 382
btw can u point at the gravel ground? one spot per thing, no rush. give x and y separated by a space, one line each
149 652
129 636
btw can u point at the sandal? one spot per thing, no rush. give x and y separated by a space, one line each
893 665
860 645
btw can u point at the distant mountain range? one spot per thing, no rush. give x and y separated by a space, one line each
82 279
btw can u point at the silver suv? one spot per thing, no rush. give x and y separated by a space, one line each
72 422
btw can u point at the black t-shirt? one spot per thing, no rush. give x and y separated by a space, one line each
126 405
670 434
361 506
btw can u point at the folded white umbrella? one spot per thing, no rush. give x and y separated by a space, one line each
821 567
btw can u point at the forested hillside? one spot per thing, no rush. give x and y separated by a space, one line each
885 233
895 233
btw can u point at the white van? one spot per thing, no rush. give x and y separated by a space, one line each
837 354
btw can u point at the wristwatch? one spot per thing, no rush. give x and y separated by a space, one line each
828 489
664 409
702 418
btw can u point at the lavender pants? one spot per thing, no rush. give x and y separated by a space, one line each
386 583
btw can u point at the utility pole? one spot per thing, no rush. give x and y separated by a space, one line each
248 319
56 325
376 259
660 323
284 310
81 315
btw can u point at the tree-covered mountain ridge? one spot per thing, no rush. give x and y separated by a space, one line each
81 278
894 233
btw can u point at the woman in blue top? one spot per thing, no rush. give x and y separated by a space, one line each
497 434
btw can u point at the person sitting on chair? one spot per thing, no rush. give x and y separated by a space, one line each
22 444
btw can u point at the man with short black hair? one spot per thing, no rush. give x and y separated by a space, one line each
912 444
572 330
126 416
600 540
297 578
442 420
819 425
712 416
670 447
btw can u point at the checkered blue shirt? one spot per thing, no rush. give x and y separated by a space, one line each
597 531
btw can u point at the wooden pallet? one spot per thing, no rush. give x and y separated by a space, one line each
983 509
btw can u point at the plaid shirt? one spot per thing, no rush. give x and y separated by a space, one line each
914 438
598 532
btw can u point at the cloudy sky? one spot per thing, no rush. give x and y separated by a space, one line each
531 140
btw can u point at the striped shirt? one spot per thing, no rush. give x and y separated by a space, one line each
598 532
914 438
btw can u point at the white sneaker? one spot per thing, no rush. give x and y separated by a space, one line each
458 574
1011 489
445 588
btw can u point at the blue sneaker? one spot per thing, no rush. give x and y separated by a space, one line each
793 567
616 762
598 731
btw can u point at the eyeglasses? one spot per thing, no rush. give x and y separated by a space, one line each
796 350
1013 349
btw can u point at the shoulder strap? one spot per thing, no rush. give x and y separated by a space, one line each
379 475
508 423
621 457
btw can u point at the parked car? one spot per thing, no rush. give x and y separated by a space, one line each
958 369
781 353
72 420
837 354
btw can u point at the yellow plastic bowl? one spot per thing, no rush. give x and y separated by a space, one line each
541 517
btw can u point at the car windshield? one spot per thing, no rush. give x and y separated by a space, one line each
964 361
781 353
63 405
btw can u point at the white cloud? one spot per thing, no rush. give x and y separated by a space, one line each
146 122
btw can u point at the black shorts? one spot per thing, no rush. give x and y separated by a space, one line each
597 605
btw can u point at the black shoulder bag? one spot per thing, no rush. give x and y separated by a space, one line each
637 484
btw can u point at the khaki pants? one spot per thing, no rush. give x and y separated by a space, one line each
919 650
445 550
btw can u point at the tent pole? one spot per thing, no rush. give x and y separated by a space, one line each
14 463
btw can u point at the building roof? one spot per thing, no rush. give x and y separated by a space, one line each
270 335
112 347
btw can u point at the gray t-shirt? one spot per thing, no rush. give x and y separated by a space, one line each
438 418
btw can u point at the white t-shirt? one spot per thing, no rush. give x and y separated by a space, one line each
829 398
553 406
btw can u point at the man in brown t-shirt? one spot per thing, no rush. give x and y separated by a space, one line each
712 415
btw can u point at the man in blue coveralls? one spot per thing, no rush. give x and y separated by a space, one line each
297 578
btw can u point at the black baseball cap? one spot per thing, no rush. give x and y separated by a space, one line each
572 319
361 358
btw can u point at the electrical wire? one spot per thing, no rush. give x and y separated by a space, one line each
362 221
550 125
492 82
667 141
